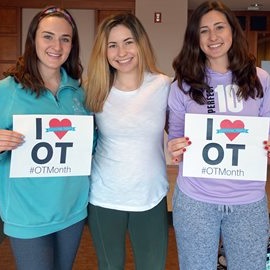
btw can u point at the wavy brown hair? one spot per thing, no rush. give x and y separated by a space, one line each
190 63
100 74
26 71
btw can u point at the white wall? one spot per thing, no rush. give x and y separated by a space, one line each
85 20
167 36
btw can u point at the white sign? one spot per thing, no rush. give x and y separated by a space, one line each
55 145
227 147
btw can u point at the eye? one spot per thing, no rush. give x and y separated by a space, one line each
111 46
49 37
66 39
203 31
220 27
129 42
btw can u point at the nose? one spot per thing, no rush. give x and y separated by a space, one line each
122 50
57 44
212 35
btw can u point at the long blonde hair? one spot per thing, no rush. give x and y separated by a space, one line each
100 74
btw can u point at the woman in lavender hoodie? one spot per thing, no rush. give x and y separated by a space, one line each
215 55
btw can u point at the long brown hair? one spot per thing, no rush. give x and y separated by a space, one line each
190 63
26 70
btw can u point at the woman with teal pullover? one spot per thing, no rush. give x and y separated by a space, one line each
44 217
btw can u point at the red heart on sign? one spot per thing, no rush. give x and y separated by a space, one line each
60 127
227 124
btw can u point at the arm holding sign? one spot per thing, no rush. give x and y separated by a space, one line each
223 194
44 89
10 140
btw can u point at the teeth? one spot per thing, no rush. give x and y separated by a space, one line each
54 54
123 61
215 46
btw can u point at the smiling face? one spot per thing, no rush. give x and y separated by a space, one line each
215 37
53 43
122 50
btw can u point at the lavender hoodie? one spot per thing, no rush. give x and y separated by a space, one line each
221 100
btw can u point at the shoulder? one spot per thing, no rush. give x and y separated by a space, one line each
8 81
7 85
261 72
179 95
176 89
161 81
68 80
158 76
263 76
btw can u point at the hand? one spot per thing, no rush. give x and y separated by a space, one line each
267 147
10 140
177 147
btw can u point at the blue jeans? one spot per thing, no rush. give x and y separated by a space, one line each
56 251
199 225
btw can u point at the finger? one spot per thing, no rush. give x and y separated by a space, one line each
9 145
9 140
10 133
175 160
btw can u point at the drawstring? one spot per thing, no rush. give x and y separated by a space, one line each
225 209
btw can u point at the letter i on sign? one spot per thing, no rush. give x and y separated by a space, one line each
38 129
209 129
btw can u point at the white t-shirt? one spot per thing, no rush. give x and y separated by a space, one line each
129 168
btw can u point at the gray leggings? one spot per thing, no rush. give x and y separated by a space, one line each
198 226
56 251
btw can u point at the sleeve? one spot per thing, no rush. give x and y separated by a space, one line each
265 81
5 101
3 155
176 112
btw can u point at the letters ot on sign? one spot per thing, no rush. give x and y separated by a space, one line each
55 145
226 147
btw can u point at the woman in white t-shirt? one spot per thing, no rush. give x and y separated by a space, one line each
128 95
